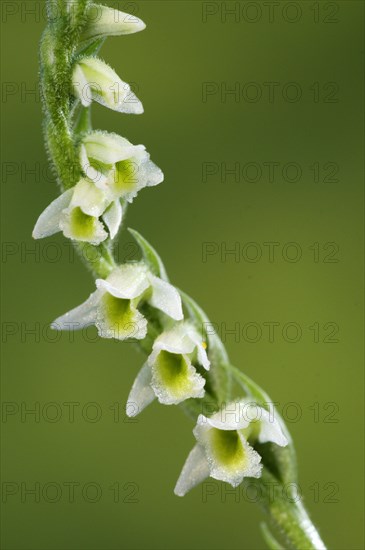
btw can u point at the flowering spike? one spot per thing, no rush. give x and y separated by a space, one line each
101 172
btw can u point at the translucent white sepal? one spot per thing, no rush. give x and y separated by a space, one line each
195 470
48 222
81 316
104 21
126 281
141 393
94 80
166 298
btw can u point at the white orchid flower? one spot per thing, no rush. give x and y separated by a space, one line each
79 213
113 307
222 450
169 374
103 21
116 166
94 80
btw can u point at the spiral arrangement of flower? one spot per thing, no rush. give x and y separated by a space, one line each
100 173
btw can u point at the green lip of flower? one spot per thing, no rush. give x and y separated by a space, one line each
124 179
174 379
120 317
172 369
83 226
227 448
113 307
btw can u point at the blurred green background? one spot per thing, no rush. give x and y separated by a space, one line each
305 59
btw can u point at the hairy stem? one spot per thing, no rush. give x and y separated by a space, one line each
287 515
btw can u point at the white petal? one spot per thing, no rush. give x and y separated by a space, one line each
96 176
126 281
195 470
141 393
48 222
113 218
127 101
107 147
94 80
81 316
268 423
151 173
202 354
113 151
81 86
104 21
140 173
89 198
270 429
175 340
232 416
166 298
182 338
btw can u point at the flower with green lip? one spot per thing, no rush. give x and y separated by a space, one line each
116 166
83 213
113 307
169 374
94 80
223 451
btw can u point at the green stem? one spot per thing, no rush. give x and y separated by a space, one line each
287 515
98 259
58 46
